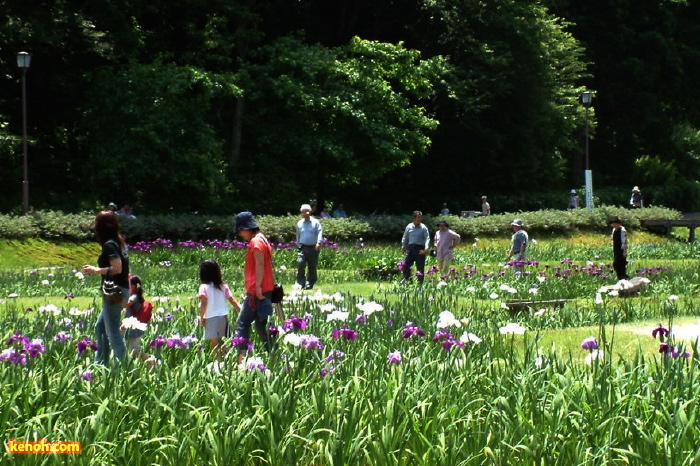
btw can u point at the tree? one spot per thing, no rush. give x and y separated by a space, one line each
513 113
152 141
322 118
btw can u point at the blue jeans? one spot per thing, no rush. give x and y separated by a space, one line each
307 256
254 311
107 329
414 255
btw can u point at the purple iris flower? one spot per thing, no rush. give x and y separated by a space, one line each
34 349
661 331
663 348
13 356
323 372
273 331
294 323
411 329
311 342
394 358
361 319
84 345
176 342
346 333
447 345
87 375
239 341
589 344
61 337
442 335
334 356
169 317
18 338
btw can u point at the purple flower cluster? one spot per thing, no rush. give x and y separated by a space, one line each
14 356
446 339
294 323
24 348
394 358
332 360
311 342
84 345
61 337
239 341
673 351
660 331
589 344
175 341
412 329
345 332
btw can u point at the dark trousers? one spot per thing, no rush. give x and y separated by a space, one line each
620 267
414 255
307 256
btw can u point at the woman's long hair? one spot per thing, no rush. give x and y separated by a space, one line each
107 228
210 272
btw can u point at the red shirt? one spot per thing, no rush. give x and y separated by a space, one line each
259 243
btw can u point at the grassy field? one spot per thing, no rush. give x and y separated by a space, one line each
366 371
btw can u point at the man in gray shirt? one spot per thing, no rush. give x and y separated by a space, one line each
309 238
415 244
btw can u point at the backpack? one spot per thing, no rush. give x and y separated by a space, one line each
146 312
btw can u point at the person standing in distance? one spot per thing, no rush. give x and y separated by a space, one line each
619 241
309 238
518 244
415 243
485 206
445 242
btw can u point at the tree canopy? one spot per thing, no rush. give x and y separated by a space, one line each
215 106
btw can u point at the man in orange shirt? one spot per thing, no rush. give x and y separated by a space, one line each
259 283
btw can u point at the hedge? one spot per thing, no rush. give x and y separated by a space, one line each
57 226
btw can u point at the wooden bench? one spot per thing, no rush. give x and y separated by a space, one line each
522 304
668 224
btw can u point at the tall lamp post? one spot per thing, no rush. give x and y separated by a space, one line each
23 61
586 100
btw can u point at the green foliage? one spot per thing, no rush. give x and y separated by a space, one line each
153 142
78 227
335 116
523 398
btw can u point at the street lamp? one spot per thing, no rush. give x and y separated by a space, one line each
587 100
23 61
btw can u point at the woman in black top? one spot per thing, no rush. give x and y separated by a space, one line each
112 263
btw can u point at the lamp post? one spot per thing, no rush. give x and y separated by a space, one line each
586 100
23 61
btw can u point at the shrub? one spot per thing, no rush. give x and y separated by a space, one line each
56 225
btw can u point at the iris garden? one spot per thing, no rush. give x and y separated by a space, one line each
366 371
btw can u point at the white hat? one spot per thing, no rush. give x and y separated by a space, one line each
636 188
517 223
573 191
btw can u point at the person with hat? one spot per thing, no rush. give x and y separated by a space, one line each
485 206
415 243
636 201
518 244
573 200
259 283
619 241
445 242
309 238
